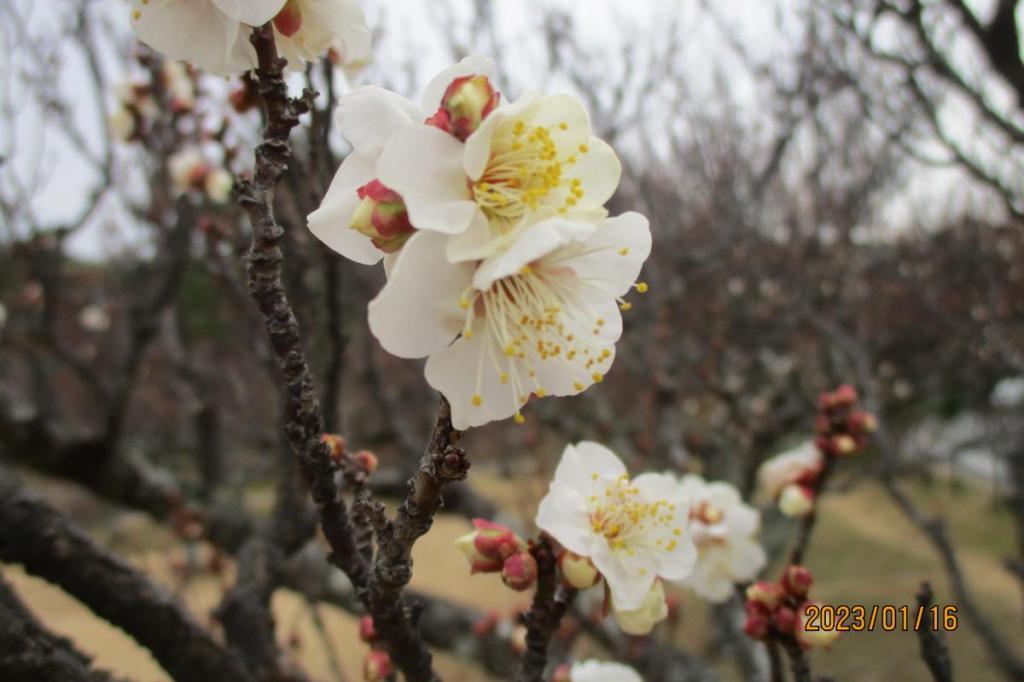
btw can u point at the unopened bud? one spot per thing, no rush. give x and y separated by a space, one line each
785 619
367 632
863 422
519 571
579 571
489 545
757 626
335 446
796 501
819 637
765 594
518 639
289 20
382 217
562 673
845 396
366 461
844 445
377 666
465 104
797 580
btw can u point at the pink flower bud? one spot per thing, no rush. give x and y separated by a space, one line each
382 217
863 422
562 673
579 571
519 571
797 580
765 594
757 626
845 396
377 666
465 104
335 446
785 619
367 633
796 501
289 20
365 461
489 546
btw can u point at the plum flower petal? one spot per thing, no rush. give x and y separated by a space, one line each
634 531
308 28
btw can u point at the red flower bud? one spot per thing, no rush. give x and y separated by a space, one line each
519 571
797 580
489 546
382 217
845 396
757 627
863 422
367 633
335 446
289 20
768 594
365 461
465 104
785 619
377 666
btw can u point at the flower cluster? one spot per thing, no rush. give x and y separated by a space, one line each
504 269
841 428
494 548
779 610
135 108
632 534
190 171
214 34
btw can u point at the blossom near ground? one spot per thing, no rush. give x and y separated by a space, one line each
866 553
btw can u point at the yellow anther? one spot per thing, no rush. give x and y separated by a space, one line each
584 149
464 303
597 377
503 378
641 287
624 251
541 392
563 125
519 418
578 386
477 400
625 305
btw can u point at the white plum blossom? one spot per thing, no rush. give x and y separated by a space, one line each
602 671
790 467
724 530
634 531
188 169
529 160
368 118
212 34
218 184
540 318
305 29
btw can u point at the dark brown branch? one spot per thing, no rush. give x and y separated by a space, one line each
34 534
443 463
933 649
550 603
30 652
303 421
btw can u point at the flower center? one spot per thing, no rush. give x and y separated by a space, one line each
526 170
536 315
625 519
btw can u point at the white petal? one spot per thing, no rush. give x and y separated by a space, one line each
473 65
654 487
746 559
479 241
678 563
368 117
615 253
563 515
599 172
331 223
197 32
581 462
465 369
532 244
417 312
424 165
629 578
252 12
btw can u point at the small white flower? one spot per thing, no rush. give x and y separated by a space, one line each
528 160
634 531
1009 392
724 530
218 184
212 34
368 118
94 318
602 671
793 466
180 89
188 169
305 29
541 318
642 619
